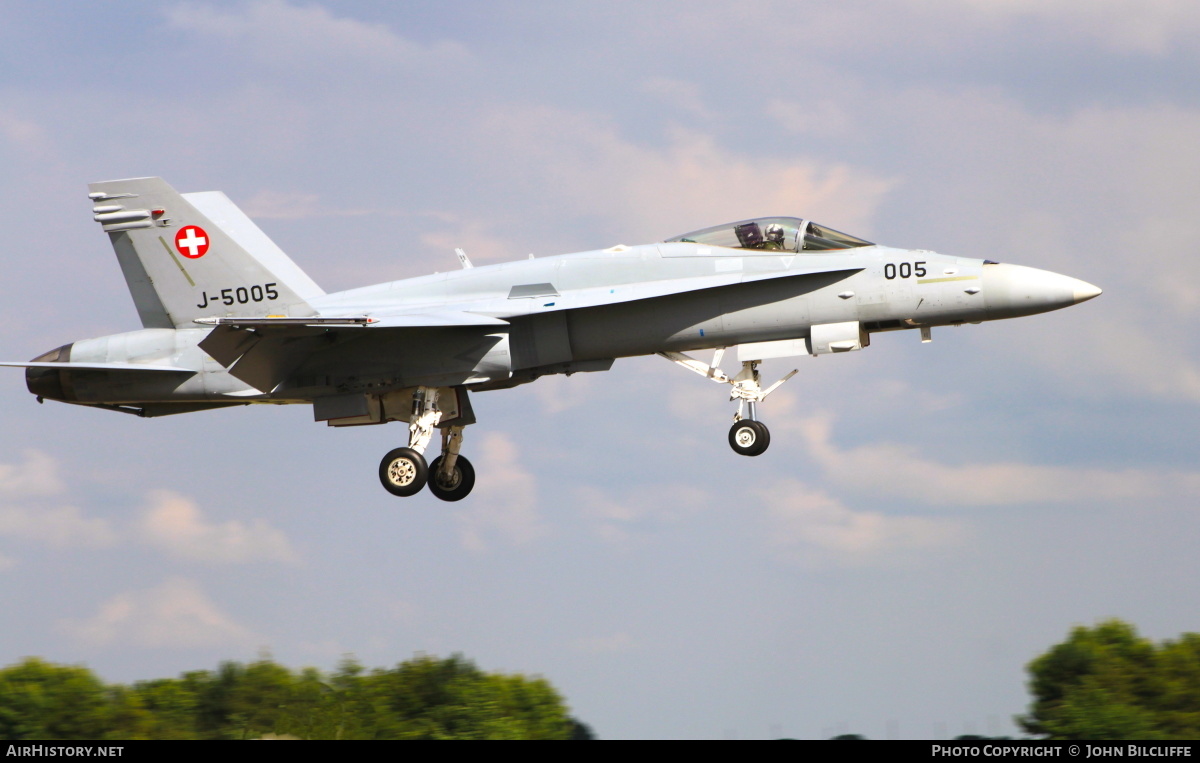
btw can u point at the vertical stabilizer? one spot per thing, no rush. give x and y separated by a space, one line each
196 256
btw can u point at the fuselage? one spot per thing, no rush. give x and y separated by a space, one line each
576 312
229 319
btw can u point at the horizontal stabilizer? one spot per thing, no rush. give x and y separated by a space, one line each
135 367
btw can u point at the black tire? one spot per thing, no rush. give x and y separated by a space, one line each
403 472
460 485
749 438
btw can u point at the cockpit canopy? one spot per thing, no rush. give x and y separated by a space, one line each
787 234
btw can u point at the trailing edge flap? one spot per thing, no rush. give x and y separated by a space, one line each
261 359
271 360
263 351
131 367
225 344
612 295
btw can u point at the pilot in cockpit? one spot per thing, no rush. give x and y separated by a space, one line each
774 237
751 236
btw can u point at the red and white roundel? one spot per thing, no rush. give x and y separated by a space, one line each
191 241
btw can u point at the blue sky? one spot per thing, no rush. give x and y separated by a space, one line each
928 518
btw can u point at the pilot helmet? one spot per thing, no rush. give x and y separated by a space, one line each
774 232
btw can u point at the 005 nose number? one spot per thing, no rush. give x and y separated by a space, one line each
904 270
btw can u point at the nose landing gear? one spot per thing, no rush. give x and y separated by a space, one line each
748 436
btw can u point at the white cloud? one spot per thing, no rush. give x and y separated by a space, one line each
505 502
896 471
1104 193
1148 26
689 182
805 520
580 165
627 517
560 392
681 94
824 117
23 135
37 476
936 27
474 236
1139 357
31 511
283 205
175 615
611 518
58 526
279 205
174 524
283 34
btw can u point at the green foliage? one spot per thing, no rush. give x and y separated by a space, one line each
423 698
1107 682
428 698
43 701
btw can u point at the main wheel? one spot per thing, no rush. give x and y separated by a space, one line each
458 485
403 472
749 438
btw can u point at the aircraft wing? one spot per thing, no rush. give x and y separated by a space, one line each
264 351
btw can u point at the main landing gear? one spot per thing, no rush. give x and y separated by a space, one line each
404 471
748 436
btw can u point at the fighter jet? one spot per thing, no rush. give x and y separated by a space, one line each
228 319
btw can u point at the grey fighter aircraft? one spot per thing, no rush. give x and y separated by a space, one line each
228 319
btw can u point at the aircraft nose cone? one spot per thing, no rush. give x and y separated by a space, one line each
1085 291
1014 290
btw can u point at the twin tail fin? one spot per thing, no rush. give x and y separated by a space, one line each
196 255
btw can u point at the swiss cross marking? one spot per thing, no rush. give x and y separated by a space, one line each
191 241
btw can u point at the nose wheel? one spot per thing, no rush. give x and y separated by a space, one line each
748 436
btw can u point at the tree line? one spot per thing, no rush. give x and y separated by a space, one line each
1102 683
423 698
1107 682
